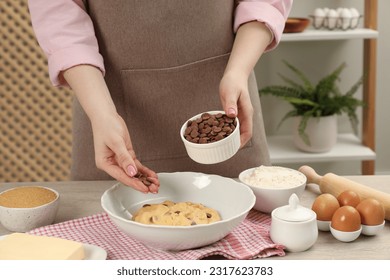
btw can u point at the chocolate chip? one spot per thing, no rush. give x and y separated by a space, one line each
143 179
217 129
205 116
146 182
208 215
188 130
226 129
145 205
194 133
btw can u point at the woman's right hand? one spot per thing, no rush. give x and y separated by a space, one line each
114 154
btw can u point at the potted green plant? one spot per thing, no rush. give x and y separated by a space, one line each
314 102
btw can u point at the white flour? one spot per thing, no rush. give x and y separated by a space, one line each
275 177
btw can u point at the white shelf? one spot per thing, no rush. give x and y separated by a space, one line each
322 34
348 147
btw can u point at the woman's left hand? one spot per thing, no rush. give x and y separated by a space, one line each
236 102
251 40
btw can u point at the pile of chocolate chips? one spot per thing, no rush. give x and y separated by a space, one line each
209 128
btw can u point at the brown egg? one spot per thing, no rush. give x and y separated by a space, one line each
371 212
346 218
324 206
348 198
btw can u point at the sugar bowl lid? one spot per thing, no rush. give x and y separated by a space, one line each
293 212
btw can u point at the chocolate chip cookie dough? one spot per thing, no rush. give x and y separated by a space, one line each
169 213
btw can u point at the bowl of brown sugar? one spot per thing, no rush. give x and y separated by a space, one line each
27 207
211 137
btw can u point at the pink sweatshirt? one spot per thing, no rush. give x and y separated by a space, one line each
66 34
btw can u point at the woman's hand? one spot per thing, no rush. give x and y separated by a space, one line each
114 154
233 91
113 148
251 40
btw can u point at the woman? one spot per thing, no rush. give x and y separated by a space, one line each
164 61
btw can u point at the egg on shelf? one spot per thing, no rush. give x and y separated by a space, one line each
325 206
355 16
348 197
345 18
326 10
346 224
372 215
354 12
338 18
332 18
318 18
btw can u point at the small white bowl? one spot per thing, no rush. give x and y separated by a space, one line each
230 198
345 236
323 225
210 153
26 219
268 198
372 230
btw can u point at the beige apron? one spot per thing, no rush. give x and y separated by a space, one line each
164 61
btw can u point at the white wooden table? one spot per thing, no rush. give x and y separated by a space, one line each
82 198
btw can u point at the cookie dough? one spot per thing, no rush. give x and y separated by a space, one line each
169 213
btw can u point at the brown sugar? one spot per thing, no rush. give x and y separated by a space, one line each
26 197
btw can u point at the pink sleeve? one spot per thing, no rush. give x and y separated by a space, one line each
65 33
271 12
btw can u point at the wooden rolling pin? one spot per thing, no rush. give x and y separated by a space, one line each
334 184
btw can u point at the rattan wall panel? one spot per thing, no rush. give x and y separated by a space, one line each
35 117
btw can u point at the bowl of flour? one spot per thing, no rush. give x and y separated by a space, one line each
273 185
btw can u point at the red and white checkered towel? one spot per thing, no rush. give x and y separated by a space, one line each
247 241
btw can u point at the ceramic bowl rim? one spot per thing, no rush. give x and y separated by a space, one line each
31 208
297 19
296 24
349 232
137 224
207 145
271 189
379 227
373 226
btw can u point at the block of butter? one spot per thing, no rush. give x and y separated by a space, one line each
21 246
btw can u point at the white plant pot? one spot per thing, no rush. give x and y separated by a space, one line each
322 133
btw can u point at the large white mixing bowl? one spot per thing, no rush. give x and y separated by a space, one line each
230 198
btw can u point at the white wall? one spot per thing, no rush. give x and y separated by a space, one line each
321 57
383 90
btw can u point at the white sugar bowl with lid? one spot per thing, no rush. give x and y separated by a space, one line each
294 226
